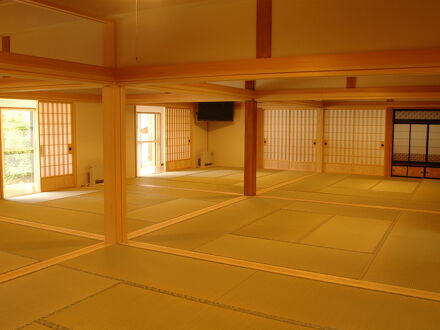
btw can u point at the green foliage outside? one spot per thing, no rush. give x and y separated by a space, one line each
18 146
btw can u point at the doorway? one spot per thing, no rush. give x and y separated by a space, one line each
416 143
20 156
148 143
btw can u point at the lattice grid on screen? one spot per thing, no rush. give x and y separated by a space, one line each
55 123
289 135
178 132
354 136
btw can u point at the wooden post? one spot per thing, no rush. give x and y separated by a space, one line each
389 127
264 29
319 143
6 44
351 82
108 45
115 197
250 148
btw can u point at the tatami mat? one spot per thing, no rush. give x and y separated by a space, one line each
343 210
167 210
30 297
202 229
349 233
37 243
193 277
333 306
47 196
35 326
292 255
123 307
410 257
77 220
10 262
283 225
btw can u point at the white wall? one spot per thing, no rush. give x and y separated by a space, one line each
226 139
303 27
89 140
77 41
200 31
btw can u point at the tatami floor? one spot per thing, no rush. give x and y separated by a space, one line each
320 251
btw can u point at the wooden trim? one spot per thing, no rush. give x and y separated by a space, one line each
380 105
282 184
412 61
415 93
11 85
264 29
389 127
292 105
115 194
65 10
109 44
352 204
40 67
360 284
53 96
250 148
57 229
184 217
6 43
2 165
260 138
320 128
163 98
50 262
204 89
351 82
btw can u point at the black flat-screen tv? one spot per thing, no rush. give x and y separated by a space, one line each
215 111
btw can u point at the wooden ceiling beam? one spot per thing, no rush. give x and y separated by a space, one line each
409 93
29 85
44 68
65 10
53 96
413 61
161 98
204 89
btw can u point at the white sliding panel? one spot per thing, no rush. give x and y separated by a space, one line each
289 139
354 141
178 138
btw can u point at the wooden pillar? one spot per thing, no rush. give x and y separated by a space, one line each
250 148
6 44
351 82
115 197
264 29
108 45
389 127
319 143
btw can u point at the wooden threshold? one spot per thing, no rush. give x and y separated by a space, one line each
52 228
190 189
353 204
184 217
50 262
360 284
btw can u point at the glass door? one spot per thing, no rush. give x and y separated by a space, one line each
21 172
148 143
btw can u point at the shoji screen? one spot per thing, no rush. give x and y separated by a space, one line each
289 137
178 137
354 141
56 145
